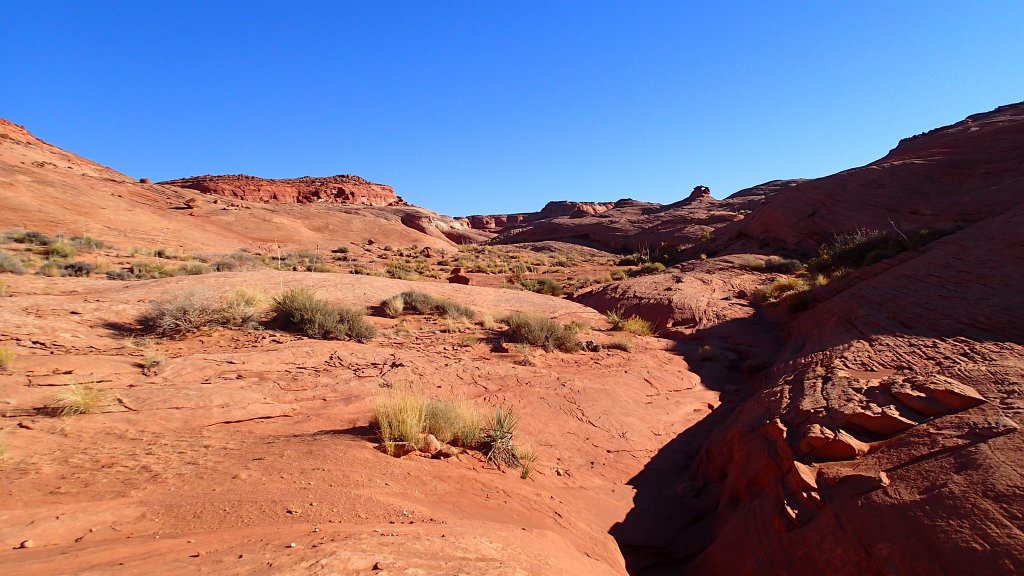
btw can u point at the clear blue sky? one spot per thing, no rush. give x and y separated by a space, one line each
486 107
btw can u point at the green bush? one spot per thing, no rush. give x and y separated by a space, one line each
300 309
540 331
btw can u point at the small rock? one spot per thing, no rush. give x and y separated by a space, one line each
292 545
430 444
26 544
376 566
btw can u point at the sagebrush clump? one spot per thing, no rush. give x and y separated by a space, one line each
300 309
412 302
540 331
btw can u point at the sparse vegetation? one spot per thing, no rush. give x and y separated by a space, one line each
184 313
78 399
863 247
412 302
648 268
624 343
778 290
498 438
300 309
60 250
405 416
540 331
152 360
10 263
6 358
527 457
633 324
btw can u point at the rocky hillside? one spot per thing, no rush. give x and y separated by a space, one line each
872 414
341 189
630 225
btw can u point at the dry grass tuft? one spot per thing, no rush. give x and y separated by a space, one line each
400 416
527 457
80 399
633 324
6 358
624 343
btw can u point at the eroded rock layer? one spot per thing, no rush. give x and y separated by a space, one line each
341 189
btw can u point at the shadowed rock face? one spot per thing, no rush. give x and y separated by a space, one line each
883 436
341 189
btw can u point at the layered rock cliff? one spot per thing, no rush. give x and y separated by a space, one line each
342 189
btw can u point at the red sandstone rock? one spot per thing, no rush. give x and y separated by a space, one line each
341 189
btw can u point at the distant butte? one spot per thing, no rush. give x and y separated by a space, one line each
341 189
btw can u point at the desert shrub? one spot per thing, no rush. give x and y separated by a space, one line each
300 309
78 399
152 360
191 268
540 331
648 268
413 302
30 237
120 275
498 438
399 416
6 358
87 243
617 275
400 271
624 343
452 421
60 250
181 314
633 260
225 265
548 286
778 290
166 253
455 311
4 289
242 308
50 270
706 352
10 263
781 265
393 307
633 324
527 458
340 250
78 269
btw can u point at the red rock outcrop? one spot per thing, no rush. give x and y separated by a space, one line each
961 173
341 189
494 222
883 435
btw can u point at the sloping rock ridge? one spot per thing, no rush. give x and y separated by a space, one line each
883 436
342 189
